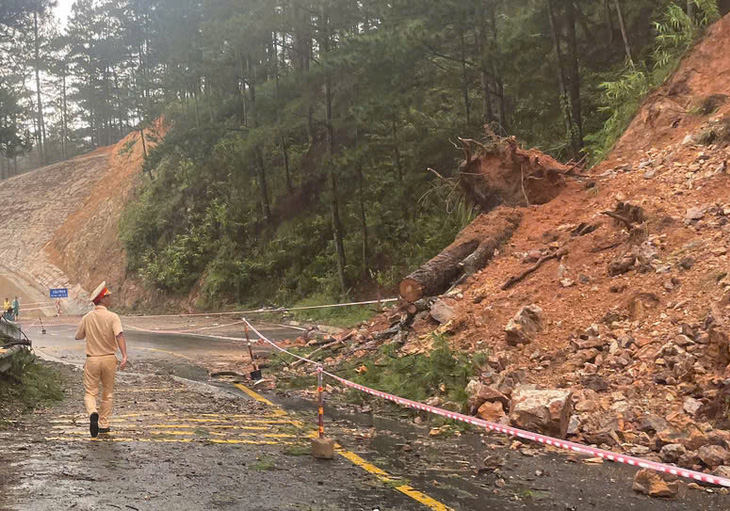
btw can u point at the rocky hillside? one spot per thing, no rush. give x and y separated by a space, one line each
616 291
60 225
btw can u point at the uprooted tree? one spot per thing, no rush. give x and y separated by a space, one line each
496 174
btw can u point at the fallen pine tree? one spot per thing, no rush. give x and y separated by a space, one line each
473 249
497 172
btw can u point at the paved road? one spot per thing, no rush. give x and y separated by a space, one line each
187 354
210 445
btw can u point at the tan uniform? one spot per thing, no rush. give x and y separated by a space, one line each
100 328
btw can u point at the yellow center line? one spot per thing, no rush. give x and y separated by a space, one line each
185 426
381 474
168 440
258 397
158 414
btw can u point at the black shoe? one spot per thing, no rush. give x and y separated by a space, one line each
94 425
104 431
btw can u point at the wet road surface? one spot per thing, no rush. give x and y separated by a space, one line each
186 441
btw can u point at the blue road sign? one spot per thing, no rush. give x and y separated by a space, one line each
59 293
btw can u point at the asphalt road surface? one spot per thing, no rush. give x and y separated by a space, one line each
183 440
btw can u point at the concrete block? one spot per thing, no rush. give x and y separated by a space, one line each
323 448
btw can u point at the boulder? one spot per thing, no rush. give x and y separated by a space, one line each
672 453
479 394
493 412
545 411
714 456
650 483
523 328
442 312
622 265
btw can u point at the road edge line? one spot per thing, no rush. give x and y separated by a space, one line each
358 461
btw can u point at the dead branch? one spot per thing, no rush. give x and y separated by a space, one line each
326 346
595 250
519 278
437 174
620 218
522 183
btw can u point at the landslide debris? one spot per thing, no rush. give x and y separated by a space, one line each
628 265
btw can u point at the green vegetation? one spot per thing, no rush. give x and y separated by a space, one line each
298 450
309 139
28 384
263 464
340 317
675 33
441 372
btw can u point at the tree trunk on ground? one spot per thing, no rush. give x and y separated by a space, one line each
472 250
624 35
574 66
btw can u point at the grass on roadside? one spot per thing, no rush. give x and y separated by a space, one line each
27 385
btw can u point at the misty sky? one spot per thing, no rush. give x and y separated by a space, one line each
64 9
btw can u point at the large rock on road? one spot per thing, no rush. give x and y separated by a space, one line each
543 411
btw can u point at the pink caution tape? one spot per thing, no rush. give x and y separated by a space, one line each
519 433
535 437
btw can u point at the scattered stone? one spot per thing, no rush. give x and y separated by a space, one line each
691 406
523 328
650 483
493 412
714 456
723 471
546 411
672 453
687 263
479 394
622 265
441 312
695 214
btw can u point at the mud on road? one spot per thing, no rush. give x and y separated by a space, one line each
188 445
176 444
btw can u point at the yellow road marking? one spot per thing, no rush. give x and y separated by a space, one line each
158 414
214 433
187 426
168 440
168 389
381 474
258 397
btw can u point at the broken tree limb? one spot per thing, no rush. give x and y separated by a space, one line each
519 278
326 346
480 239
620 218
